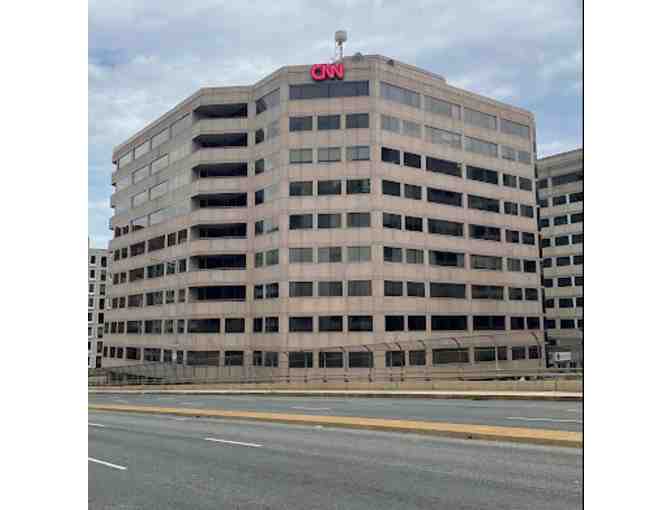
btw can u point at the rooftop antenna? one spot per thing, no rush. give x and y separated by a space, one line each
340 37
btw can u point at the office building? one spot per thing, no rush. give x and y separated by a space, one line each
560 199
325 209
98 259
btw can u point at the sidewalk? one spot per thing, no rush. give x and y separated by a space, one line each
435 394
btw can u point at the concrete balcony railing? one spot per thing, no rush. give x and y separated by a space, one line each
214 126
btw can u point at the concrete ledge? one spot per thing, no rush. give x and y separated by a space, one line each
463 431
465 395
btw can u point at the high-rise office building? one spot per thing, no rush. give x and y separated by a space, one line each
98 261
324 209
560 199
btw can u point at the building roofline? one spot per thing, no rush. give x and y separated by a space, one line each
559 154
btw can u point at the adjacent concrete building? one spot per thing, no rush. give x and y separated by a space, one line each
98 259
560 198
301 220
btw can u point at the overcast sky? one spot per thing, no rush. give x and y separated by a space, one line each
146 56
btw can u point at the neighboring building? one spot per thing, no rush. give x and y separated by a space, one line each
560 199
98 260
295 222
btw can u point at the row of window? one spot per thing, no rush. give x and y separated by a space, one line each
563 281
155 141
328 359
328 122
566 302
102 275
565 240
559 180
93 259
566 260
101 289
571 198
563 324
329 154
324 324
155 243
564 219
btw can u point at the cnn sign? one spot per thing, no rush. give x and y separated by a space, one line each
320 72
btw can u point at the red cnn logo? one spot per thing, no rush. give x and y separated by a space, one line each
321 72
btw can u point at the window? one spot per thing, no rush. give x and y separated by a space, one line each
358 186
515 294
272 257
357 120
300 324
479 119
358 359
525 184
358 153
390 155
417 323
388 123
413 192
329 254
257 327
443 166
259 136
360 323
508 153
330 323
331 359
529 238
300 221
445 356
328 89
328 154
543 202
392 220
359 220
563 261
393 288
485 354
480 147
447 290
441 107
443 137
399 95
267 102
441 196
359 253
301 189
512 236
493 292
301 123
413 223
358 288
415 256
223 200
514 128
486 262
272 325
544 222
203 325
511 208
578 260
483 203
527 211
576 197
412 160
446 258
578 281
140 174
325 122
567 324
576 218
531 294
392 254
329 187
567 178
394 323
300 255
391 188
530 266
482 174
409 128
560 200
566 303
300 156
259 166
160 138
485 233
489 323
562 241
156 243
300 359
395 358
259 259
577 238
330 289
445 227
271 359
565 281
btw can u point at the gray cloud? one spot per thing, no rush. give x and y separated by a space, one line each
145 57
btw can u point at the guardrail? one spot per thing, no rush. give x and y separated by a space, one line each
166 373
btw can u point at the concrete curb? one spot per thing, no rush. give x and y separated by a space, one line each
463 431
465 395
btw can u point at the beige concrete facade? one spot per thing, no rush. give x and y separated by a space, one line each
560 195
98 271
200 135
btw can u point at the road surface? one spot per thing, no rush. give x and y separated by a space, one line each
159 462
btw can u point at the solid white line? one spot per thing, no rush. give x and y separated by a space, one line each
108 464
96 425
312 408
543 419
215 440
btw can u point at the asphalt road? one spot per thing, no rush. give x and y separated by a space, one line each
507 413
154 462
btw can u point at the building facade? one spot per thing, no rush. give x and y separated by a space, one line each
98 260
560 199
299 221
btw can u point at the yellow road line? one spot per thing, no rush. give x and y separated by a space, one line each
460 430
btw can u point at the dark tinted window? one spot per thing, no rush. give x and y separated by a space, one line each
301 123
325 90
390 155
449 322
441 196
328 122
443 166
447 290
412 160
391 188
357 120
489 323
482 174
483 203
301 189
413 192
444 227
